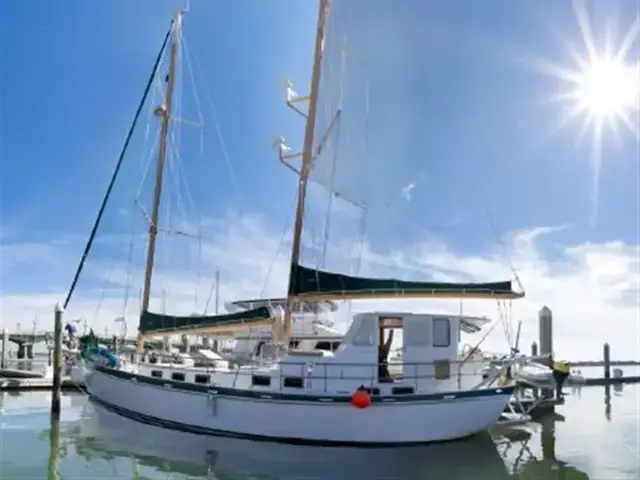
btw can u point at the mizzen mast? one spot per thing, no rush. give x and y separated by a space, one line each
163 111
306 164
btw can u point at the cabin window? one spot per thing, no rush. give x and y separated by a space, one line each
201 378
366 333
156 373
178 376
293 382
294 343
402 390
261 380
442 369
327 346
441 332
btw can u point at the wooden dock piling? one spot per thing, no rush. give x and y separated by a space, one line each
545 333
57 360
606 358
53 465
5 343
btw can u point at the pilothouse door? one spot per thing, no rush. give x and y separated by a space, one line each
416 342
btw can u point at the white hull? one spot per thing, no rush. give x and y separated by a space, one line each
198 455
268 415
78 373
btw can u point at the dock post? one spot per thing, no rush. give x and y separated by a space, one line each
534 349
606 357
5 342
545 333
57 360
53 465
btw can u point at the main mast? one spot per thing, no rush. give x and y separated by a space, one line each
163 111
307 159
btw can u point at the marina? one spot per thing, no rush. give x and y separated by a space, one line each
358 333
93 443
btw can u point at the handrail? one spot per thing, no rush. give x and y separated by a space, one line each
315 362
312 371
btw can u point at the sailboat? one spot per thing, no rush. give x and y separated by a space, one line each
342 398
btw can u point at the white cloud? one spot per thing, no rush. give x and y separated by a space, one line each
591 288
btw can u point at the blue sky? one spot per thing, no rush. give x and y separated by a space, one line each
462 105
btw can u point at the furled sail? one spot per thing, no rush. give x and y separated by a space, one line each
335 286
151 323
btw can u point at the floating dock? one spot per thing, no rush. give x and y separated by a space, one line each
612 380
18 373
30 384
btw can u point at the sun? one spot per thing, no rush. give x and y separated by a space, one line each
600 91
607 88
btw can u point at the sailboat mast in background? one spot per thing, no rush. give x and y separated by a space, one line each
163 111
307 160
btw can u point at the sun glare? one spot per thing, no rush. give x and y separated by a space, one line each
607 88
600 92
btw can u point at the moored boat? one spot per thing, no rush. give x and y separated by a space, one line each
346 397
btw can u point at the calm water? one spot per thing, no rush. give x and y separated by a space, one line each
596 439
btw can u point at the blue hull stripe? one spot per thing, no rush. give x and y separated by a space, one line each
297 397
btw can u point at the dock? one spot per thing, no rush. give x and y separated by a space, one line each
611 381
36 383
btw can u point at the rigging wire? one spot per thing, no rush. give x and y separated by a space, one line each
334 157
223 143
363 218
507 318
146 167
280 243
128 285
502 244
198 268
181 171
177 167
103 206
327 222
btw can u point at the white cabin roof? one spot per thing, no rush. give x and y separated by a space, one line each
466 323
300 306
208 354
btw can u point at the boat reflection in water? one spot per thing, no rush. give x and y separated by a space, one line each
515 447
106 435
505 454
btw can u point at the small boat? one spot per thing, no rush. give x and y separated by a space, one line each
312 329
530 371
541 375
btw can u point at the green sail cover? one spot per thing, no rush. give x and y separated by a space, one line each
307 281
157 323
